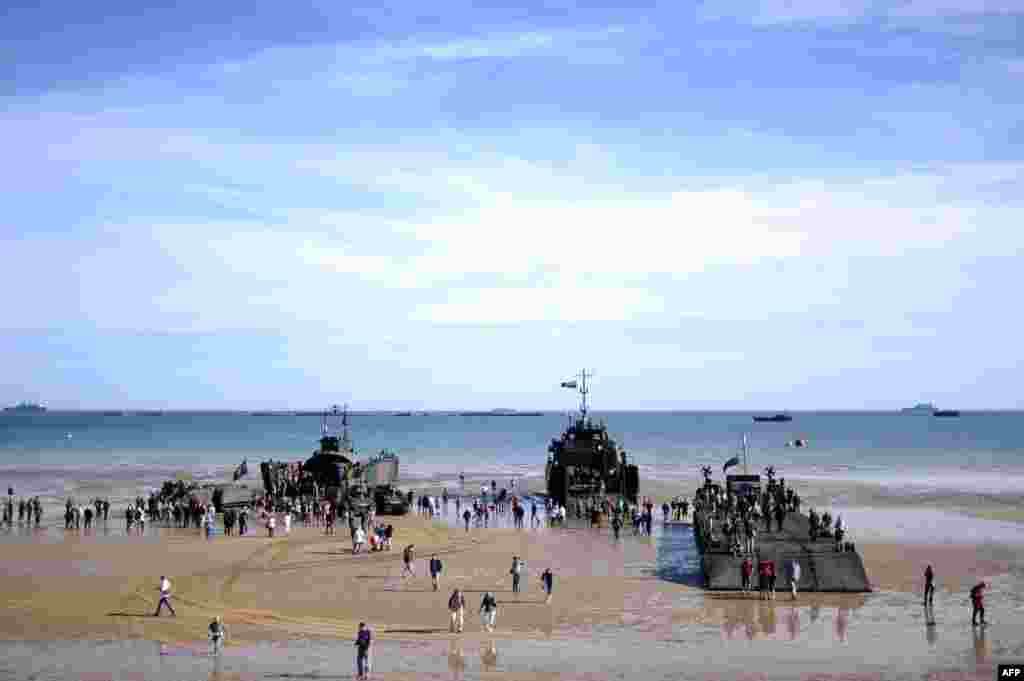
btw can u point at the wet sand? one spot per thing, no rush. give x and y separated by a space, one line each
619 609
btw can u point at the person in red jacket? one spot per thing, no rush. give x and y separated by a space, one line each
762 579
978 603
745 570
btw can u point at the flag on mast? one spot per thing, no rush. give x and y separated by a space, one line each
569 384
731 462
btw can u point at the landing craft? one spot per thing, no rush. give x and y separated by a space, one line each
585 463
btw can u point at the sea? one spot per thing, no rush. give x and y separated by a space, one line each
53 454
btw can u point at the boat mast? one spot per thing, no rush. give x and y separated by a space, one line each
746 470
346 442
584 391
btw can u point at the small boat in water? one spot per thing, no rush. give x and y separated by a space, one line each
775 418
920 408
946 413
26 408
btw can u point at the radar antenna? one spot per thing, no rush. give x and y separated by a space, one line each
581 386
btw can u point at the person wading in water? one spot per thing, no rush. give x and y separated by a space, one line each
929 586
978 603
364 642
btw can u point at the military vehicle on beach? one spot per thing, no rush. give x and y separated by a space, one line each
333 472
585 464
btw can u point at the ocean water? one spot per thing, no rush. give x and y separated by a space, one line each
980 451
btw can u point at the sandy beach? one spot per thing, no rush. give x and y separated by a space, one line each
307 588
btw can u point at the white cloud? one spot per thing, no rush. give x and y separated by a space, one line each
598 255
374 67
555 304
921 12
931 8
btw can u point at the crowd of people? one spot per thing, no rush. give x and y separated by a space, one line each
741 513
27 510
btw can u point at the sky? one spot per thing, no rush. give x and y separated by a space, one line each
763 204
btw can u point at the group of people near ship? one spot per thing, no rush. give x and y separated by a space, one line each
27 508
735 517
78 516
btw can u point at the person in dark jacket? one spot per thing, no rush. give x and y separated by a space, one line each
929 586
435 570
978 603
364 644
516 572
548 580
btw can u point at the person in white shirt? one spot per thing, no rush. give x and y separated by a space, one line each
794 576
271 524
288 522
360 539
165 597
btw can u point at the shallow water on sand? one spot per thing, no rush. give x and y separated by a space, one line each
685 633
885 637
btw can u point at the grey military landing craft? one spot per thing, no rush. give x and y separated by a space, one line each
334 473
586 464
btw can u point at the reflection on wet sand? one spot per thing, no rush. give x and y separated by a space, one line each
793 623
489 656
456 660
842 624
754 619
981 646
931 632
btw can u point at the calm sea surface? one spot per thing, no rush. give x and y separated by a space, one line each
979 451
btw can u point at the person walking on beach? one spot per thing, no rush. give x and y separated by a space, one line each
435 570
516 572
794 575
364 643
358 540
165 597
243 518
466 516
978 603
548 580
762 579
457 611
217 635
617 525
929 586
271 524
407 557
488 611
771 580
745 570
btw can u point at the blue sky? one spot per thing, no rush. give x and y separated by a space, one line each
728 205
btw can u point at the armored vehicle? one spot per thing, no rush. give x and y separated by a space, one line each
585 464
356 486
